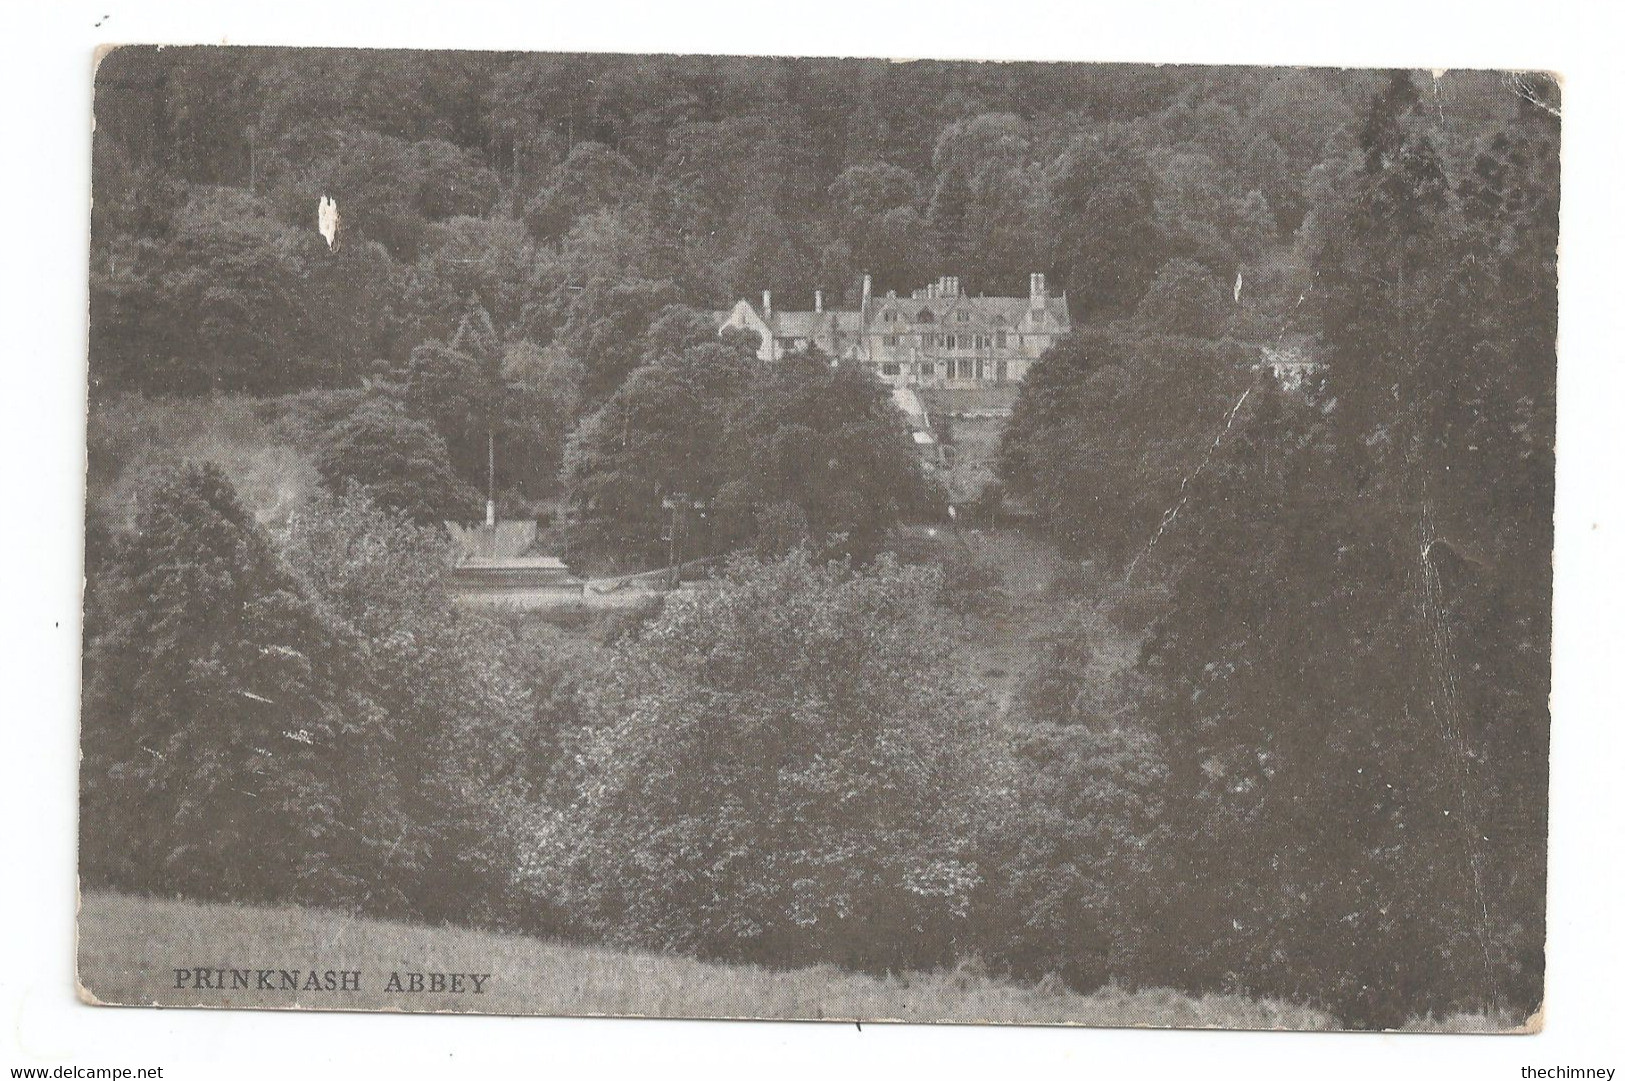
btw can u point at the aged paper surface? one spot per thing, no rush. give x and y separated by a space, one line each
720 537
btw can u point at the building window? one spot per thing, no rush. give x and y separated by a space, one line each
1038 316
950 369
1001 339
889 369
889 316
963 317
926 316
953 342
891 340
928 371
1001 371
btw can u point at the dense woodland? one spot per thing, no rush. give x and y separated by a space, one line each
1321 778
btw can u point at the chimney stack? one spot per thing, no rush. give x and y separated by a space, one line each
818 300
1039 294
867 286
767 303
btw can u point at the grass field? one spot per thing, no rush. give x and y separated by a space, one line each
129 948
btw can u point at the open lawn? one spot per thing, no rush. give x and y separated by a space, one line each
130 947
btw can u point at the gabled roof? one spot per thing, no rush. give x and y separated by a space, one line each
802 324
476 335
848 322
508 539
1012 312
983 309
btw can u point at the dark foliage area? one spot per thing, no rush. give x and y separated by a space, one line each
575 196
767 781
1350 678
304 716
708 450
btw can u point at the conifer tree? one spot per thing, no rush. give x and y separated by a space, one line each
228 751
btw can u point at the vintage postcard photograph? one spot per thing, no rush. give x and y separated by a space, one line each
847 539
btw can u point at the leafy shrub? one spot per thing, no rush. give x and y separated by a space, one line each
471 705
1070 862
782 769
971 581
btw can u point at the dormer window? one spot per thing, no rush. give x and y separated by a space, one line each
963 317
926 316
888 316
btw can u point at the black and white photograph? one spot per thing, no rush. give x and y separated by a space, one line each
747 537
716 540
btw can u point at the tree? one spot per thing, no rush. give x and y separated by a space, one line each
1106 244
828 442
759 785
1108 428
591 179
501 408
391 189
231 297
984 208
1344 702
605 327
227 753
1383 258
880 222
542 399
660 436
1185 299
1194 208
457 386
488 261
1297 670
461 720
400 461
677 329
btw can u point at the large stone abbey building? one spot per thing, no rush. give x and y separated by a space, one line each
938 337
